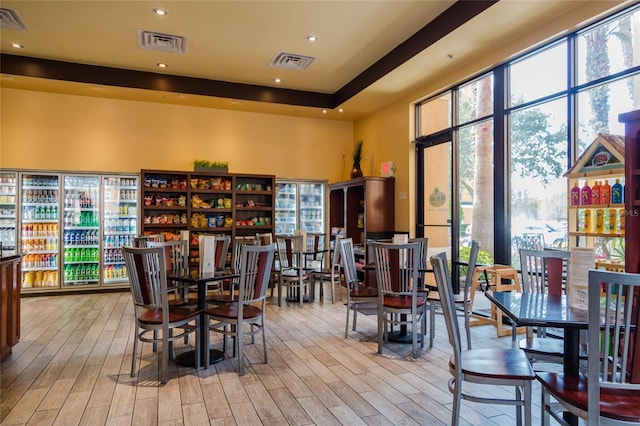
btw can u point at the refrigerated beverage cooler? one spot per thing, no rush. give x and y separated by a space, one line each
71 227
300 204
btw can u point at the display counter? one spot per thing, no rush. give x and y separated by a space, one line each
9 303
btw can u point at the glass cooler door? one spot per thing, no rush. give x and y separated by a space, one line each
8 212
81 230
120 225
40 230
312 206
286 207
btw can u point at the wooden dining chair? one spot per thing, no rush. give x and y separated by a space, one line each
231 284
399 300
248 310
331 274
607 393
293 274
360 296
495 366
265 239
153 314
221 244
543 271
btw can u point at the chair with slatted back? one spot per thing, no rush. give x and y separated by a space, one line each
176 259
265 239
399 300
293 274
608 394
330 274
142 240
153 314
462 301
543 271
236 251
496 366
249 309
360 296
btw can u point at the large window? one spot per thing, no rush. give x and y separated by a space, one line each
553 103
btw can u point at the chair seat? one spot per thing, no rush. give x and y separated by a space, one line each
402 302
615 404
176 314
230 311
363 291
495 363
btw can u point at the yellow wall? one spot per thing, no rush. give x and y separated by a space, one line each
65 132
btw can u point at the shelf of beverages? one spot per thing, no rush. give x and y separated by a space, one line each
81 230
8 211
120 225
40 230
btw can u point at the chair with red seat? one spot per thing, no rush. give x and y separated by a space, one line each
148 281
359 294
608 393
249 308
495 366
401 300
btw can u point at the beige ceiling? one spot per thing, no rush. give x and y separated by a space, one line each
236 40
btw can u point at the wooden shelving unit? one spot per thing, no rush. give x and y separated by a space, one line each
206 203
632 190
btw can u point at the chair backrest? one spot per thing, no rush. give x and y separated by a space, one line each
348 263
238 242
143 240
176 253
336 258
612 335
222 250
544 271
397 268
315 249
445 291
290 250
255 269
424 246
264 238
471 267
147 272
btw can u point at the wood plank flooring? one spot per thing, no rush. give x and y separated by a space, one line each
72 367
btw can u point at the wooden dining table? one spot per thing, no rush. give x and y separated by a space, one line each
194 278
547 310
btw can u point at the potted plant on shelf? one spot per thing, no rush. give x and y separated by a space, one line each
358 154
211 166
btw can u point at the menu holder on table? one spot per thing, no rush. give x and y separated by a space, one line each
582 259
207 246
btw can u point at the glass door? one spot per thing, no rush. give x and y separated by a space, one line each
436 216
312 206
8 212
81 230
286 207
40 230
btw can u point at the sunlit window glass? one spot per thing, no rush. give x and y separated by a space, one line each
435 114
539 75
476 99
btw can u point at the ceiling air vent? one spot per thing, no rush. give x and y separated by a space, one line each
159 41
10 19
292 61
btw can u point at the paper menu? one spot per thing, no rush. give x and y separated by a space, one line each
582 259
207 246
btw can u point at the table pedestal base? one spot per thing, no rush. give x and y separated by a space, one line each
402 337
188 359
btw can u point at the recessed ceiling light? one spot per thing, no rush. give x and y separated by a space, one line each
277 80
16 45
324 111
160 12
312 38
340 110
162 65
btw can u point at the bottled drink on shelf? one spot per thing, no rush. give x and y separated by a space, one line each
616 193
585 194
605 192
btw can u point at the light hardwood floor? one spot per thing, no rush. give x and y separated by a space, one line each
72 366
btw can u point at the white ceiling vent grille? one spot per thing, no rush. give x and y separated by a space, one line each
159 41
10 19
292 61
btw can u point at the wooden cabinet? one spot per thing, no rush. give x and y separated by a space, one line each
9 304
596 203
362 209
632 190
202 203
